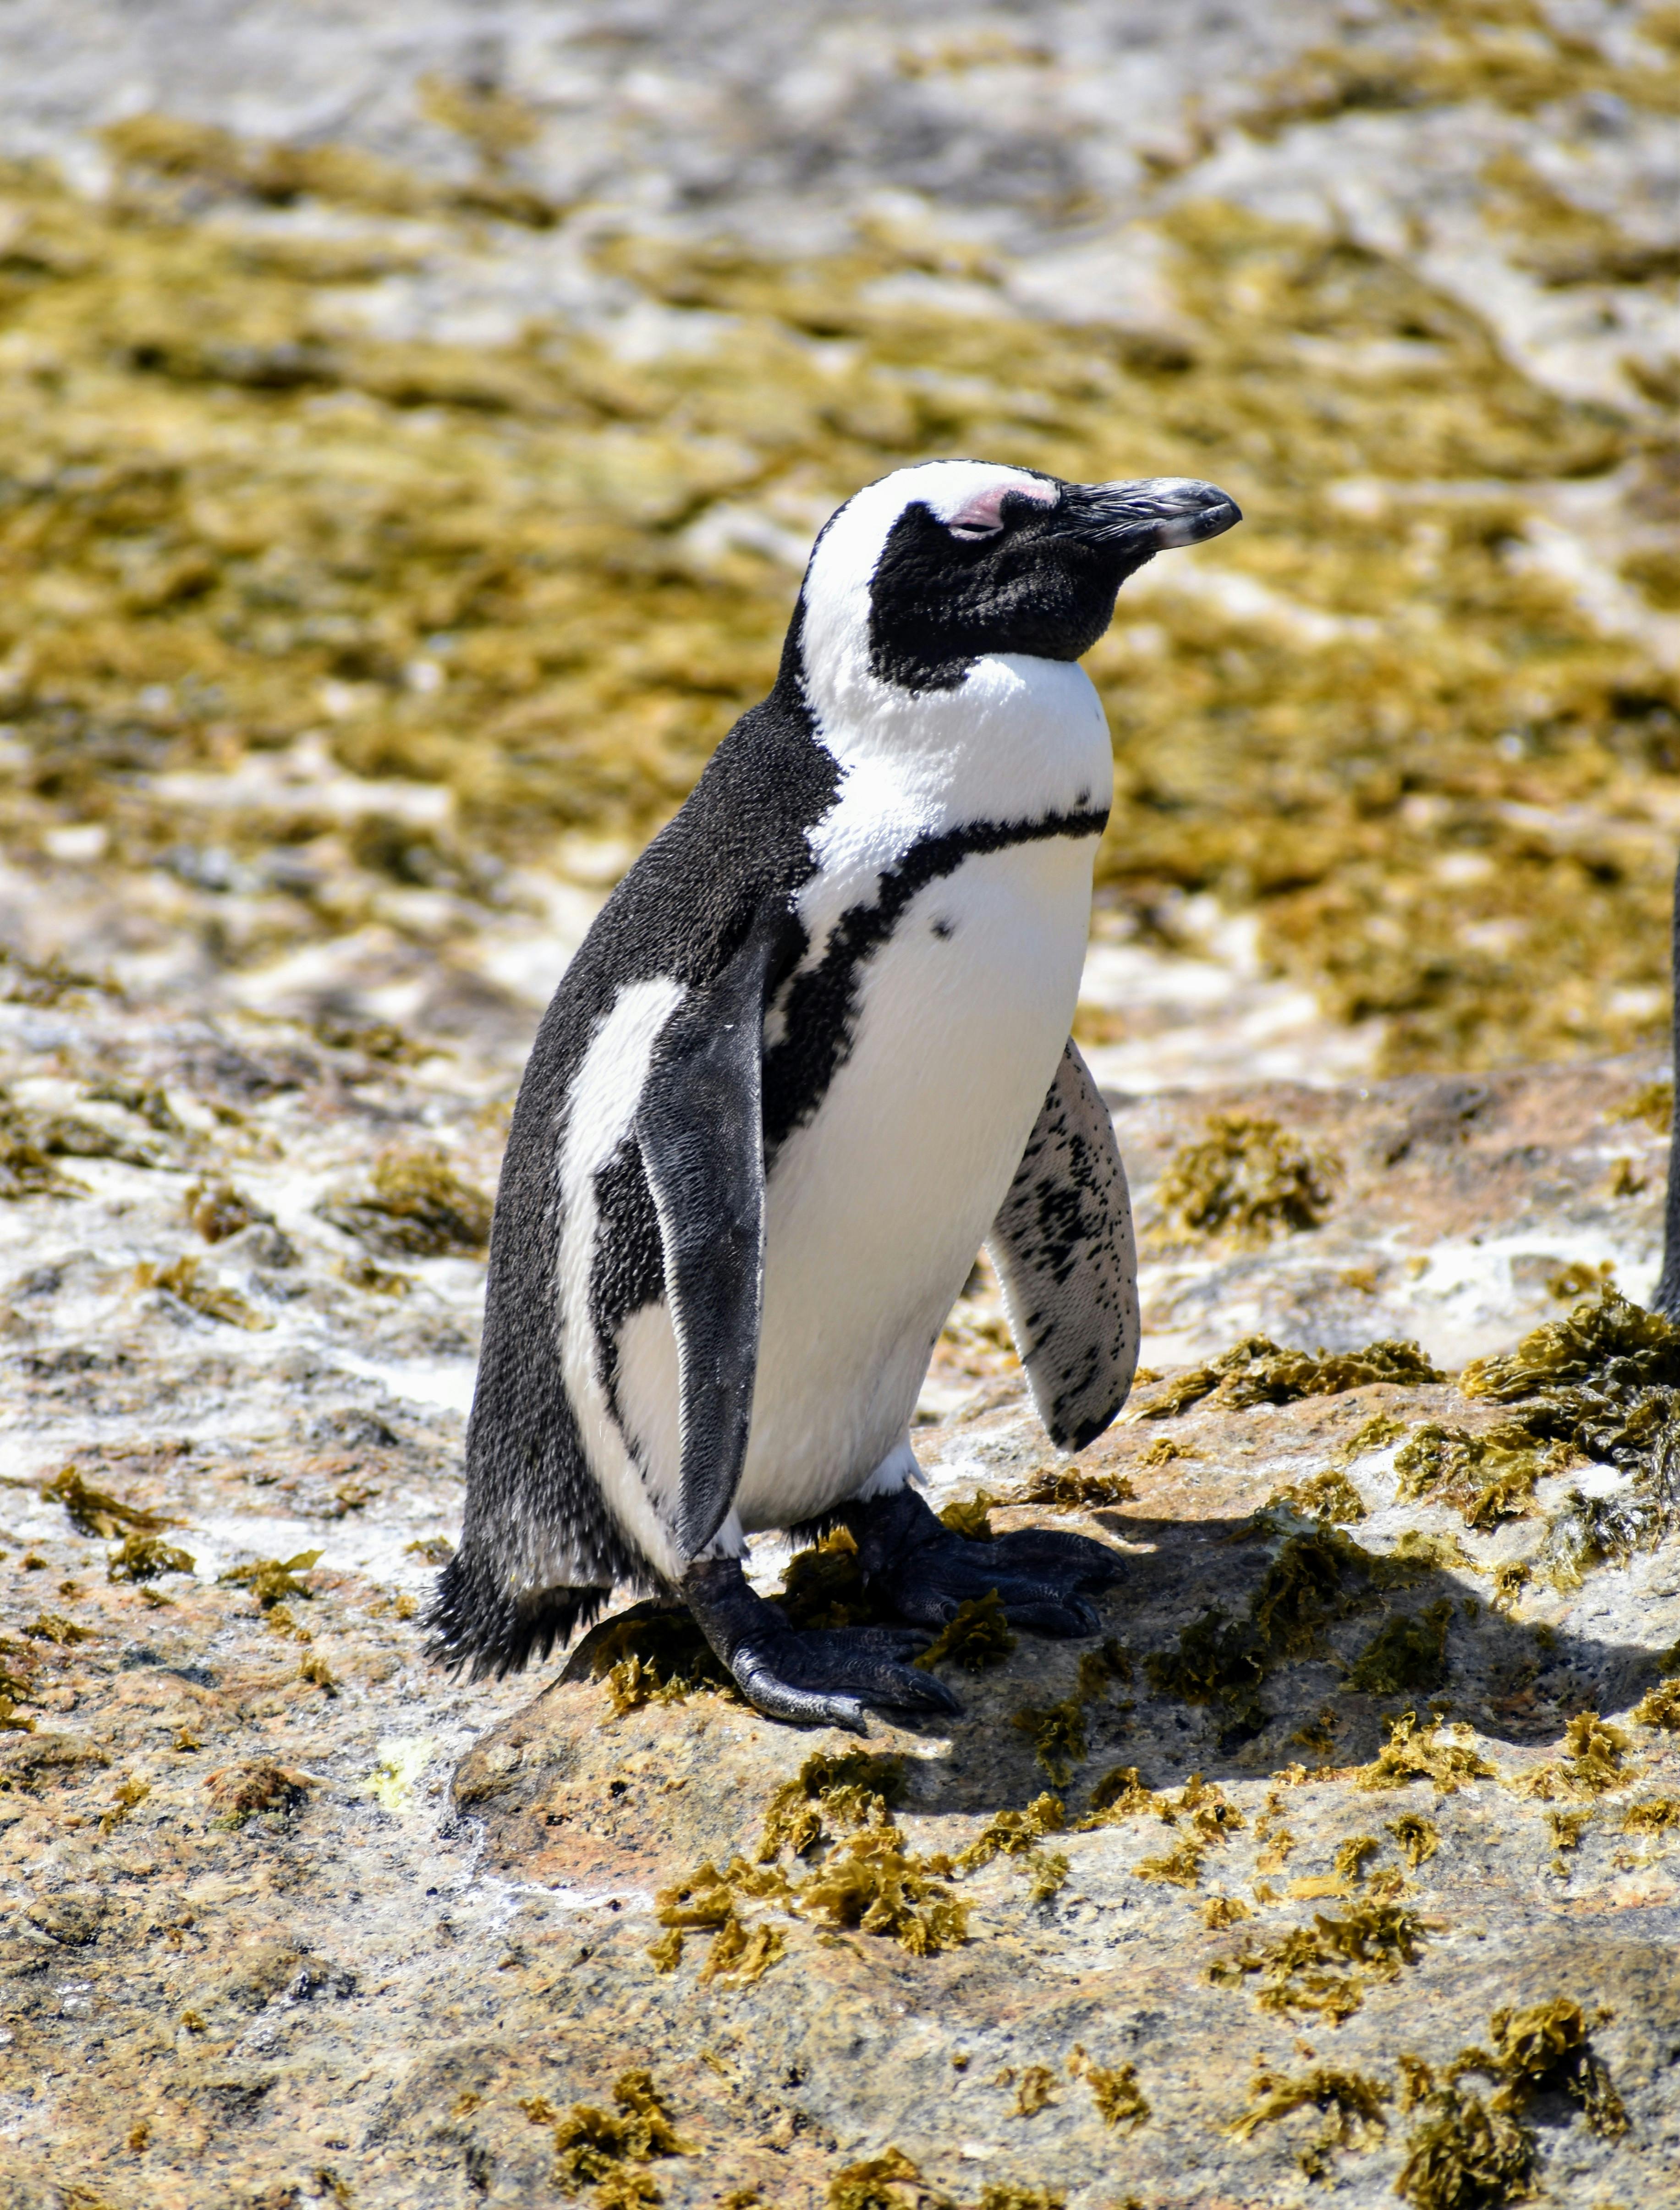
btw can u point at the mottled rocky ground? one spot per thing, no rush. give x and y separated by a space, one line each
397 499
445 1908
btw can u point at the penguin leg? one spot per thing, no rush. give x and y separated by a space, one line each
913 1562
821 1679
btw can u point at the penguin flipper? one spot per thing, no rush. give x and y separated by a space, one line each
1063 1247
700 1126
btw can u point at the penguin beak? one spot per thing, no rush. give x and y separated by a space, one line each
1151 516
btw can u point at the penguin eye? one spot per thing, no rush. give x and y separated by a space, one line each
981 517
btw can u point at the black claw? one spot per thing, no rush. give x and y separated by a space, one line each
826 1678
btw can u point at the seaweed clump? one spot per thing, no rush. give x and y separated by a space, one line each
25 1166
1488 1476
1258 1371
823 1586
1323 1969
654 1654
865 1880
1058 1730
218 1210
1659 1707
977 1634
96 1512
855 1789
1331 1497
1349 2104
1120 2102
1248 1177
1416 1837
1465 2155
1317 1579
146 1558
1405 1654
419 1208
1414 1752
592 2146
1605 1383
185 1280
1066 1488
1201 1804
873 1884
876 2182
1593 1763
272 1580
1471 2152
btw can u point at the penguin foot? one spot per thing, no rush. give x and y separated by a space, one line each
826 1678
914 1564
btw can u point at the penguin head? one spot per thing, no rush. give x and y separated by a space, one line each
924 572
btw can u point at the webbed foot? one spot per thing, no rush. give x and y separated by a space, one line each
826 1678
916 1565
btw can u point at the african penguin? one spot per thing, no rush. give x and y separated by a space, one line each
813 1051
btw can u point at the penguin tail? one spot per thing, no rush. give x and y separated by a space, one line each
1665 1298
471 1623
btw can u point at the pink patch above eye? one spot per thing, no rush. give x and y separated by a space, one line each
984 511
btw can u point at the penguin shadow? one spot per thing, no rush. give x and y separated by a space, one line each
1223 1656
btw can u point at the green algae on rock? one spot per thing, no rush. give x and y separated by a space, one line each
238 509
1256 1371
1417 1751
1349 2103
1246 1178
1322 1969
419 1207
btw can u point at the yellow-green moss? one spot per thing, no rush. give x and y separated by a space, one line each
228 496
1415 1752
1070 1490
1120 2102
977 1635
1256 1371
1349 2104
145 1558
1593 1762
1322 1969
271 1580
1013 1834
1331 1497
96 1512
185 1280
1248 1178
418 1208
1491 1476
1407 1654
1418 1837
1660 1707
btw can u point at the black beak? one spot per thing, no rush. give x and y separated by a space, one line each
1137 519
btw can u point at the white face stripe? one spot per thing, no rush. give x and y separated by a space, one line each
603 1103
835 643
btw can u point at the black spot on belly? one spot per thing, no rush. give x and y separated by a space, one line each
945 929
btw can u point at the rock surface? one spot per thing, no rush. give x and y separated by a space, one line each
291 1917
397 499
